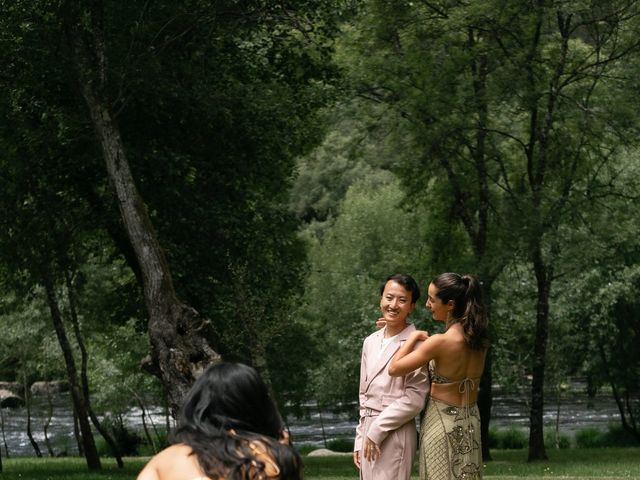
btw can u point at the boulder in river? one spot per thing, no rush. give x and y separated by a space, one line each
49 388
9 399
14 387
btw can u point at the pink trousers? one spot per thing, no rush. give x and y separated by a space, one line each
398 452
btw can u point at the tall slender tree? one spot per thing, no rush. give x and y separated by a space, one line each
510 105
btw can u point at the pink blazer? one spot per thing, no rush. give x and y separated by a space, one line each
397 399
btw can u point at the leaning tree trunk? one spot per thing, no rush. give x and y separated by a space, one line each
179 335
536 430
88 442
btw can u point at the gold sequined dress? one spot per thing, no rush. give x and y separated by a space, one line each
450 435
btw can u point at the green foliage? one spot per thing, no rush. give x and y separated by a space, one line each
28 345
613 436
511 438
589 437
305 449
341 445
324 175
127 441
145 449
564 440
513 118
349 262
214 101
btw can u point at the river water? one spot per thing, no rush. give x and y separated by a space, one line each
313 429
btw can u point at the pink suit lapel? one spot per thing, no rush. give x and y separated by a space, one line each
378 364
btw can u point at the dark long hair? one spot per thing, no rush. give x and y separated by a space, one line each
226 411
468 306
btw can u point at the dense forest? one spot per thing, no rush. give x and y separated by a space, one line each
187 181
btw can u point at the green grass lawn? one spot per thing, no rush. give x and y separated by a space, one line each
603 463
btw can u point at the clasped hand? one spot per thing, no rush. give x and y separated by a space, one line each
370 451
418 336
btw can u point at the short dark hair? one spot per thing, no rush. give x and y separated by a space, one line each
226 409
407 281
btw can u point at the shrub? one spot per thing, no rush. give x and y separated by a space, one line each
161 441
127 441
305 448
550 439
615 436
589 437
512 438
341 445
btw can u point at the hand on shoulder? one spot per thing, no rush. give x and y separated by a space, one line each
419 335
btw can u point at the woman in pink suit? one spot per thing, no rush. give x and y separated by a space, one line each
386 438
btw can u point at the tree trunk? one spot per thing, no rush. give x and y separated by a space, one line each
179 335
76 430
88 442
627 426
4 438
27 401
536 431
478 68
84 360
485 401
143 411
485 394
47 423
558 398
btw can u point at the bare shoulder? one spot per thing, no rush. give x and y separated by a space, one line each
174 458
438 339
442 344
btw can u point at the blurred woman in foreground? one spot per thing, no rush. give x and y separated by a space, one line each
229 429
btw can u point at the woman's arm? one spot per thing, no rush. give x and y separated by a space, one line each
407 359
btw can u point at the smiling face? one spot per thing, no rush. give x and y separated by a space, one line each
396 305
440 310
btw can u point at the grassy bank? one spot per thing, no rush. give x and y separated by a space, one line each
603 463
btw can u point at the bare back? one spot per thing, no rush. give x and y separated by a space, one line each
456 370
174 462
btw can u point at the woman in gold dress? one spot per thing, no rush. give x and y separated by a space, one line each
450 430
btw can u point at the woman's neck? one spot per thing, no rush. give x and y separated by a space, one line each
451 323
